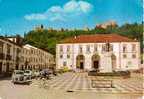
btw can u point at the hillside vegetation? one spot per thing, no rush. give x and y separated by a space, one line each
48 38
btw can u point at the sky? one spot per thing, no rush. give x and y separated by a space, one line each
21 16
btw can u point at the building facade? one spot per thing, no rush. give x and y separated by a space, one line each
35 58
9 55
104 52
107 24
16 56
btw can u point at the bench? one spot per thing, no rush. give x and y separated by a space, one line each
102 83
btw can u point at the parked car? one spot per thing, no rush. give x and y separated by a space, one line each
36 74
46 73
28 74
18 77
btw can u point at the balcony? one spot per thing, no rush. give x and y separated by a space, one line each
8 57
17 59
2 56
107 48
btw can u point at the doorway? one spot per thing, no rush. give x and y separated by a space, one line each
7 67
16 67
95 61
81 65
0 67
80 59
96 64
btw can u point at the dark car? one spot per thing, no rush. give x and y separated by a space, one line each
45 73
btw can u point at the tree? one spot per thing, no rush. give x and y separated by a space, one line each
48 38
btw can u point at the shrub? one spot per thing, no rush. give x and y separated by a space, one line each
118 73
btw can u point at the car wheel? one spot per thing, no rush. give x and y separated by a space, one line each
28 83
14 82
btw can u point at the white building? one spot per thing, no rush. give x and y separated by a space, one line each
104 52
35 58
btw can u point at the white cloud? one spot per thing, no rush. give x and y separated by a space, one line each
55 9
79 7
35 16
57 13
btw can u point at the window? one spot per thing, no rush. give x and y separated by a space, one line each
108 47
61 48
88 48
68 56
31 51
124 48
124 56
133 47
95 47
64 63
1 47
68 48
61 56
133 56
103 48
129 63
8 48
111 47
80 49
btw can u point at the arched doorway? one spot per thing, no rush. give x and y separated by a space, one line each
0 67
113 58
22 67
95 61
80 59
7 67
17 67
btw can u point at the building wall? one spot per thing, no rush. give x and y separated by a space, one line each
35 58
121 62
14 57
129 62
9 55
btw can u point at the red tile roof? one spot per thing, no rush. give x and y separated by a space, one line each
98 38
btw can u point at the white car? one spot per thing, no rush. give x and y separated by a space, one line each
36 73
28 74
18 77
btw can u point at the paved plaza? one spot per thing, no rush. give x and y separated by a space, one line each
72 86
82 82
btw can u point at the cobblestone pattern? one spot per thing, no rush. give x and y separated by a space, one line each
82 82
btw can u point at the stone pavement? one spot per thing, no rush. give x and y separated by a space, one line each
82 82
79 83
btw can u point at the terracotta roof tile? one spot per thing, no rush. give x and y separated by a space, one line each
98 38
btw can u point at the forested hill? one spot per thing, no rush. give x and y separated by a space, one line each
48 38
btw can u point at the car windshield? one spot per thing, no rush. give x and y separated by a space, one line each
19 72
27 71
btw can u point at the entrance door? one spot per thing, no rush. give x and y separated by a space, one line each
7 67
0 67
22 67
16 67
81 65
80 60
96 64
